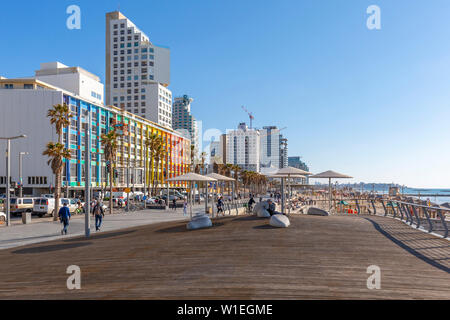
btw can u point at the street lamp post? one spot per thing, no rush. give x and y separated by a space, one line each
20 172
8 175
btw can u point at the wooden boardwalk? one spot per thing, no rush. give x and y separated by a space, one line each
240 258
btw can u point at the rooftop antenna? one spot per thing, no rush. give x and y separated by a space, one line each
250 115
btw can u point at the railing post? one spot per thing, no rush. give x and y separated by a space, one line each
416 215
400 211
444 223
393 209
384 207
407 213
374 208
430 229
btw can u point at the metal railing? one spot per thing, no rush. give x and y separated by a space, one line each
428 218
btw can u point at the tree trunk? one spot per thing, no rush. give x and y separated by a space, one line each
150 178
57 194
111 172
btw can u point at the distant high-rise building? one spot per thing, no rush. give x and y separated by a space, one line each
284 162
243 148
296 162
183 121
270 147
137 71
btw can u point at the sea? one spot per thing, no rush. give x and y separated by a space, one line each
442 195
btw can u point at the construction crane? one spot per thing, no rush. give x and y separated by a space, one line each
250 115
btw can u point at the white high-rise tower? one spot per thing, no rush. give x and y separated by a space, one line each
137 71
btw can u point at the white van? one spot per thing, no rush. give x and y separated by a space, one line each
44 206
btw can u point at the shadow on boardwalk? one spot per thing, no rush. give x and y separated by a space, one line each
423 246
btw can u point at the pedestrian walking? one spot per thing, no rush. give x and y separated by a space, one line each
250 204
184 207
174 203
98 214
220 206
64 217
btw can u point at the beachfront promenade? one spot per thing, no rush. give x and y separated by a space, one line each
42 230
241 257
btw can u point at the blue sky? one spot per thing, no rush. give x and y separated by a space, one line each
371 104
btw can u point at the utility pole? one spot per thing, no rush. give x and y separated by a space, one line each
87 179
128 184
8 176
20 172
145 172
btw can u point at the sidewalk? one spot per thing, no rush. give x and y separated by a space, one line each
19 235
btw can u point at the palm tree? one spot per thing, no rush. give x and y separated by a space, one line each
158 154
57 153
59 116
152 143
228 167
110 146
236 170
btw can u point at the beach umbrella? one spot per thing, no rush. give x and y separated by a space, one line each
446 205
289 172
192 177
282 177
330 175
219 177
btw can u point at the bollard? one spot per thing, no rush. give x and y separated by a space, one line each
26 217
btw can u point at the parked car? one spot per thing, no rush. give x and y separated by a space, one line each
44 206
151 201
2 217
2 204
19 205
50 195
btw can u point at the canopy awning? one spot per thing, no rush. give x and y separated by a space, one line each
191 177
219 177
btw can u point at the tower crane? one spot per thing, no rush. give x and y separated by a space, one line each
250 115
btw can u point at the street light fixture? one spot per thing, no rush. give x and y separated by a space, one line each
8 175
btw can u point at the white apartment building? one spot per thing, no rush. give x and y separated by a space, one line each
243 148
73 79
137 71
183 121
215 152
270 147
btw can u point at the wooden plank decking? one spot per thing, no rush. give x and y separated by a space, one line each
240 258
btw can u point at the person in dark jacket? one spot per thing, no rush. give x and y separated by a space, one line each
220 206
64 217
250 203
174 203
98 214
271 209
